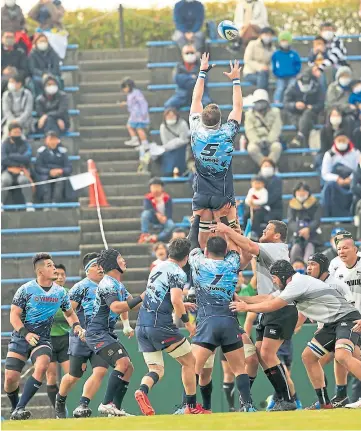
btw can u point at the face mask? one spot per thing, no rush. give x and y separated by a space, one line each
11 86
344 82
284 44
16 139
42 46
171 122
10 3
267 171
266 39
190 58
51 89
302 198
261 105
300 271
327 35
305 88
357 89
335 121
342 146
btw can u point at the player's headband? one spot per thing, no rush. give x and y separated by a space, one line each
91 263
339 237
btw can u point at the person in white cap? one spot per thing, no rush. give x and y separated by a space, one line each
263 125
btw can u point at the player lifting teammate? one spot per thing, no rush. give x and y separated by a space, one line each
212 147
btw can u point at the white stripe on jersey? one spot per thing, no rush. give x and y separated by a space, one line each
351 276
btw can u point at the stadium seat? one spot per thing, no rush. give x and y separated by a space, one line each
224 107
31 254
62 205
71 112
66 135
189 200
36 230
73 89
73 46
71 158
69 68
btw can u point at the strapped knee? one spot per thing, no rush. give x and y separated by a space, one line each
233 224
346 347
317 348
182 350
204 225
14 364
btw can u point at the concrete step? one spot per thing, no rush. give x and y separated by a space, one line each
22 219
104 120
126 190
110 151
109 178
105 103
92 225
139 63
123 166
112 54
102 86
115 76
116 236
111 212
118 200
104 132
22 243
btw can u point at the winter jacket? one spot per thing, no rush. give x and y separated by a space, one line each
337 96
356 183
314 97
188 16
327 137
47 159
256 56
263 128
18 106
274 187
335 54
259 16
332 158
150 204
316 59
308 213
17 155
56 106
12 19
356 138
185 76
15 57
176 136
137 107
354 99
44 62
286 63
48 15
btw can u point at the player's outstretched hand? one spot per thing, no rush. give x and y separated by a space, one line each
235 72
357 327
32 339
190 306
238 306
205 62
191 328
220 228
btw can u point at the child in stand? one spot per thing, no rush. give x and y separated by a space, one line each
138 120
355 96
256 205
316 57
160 251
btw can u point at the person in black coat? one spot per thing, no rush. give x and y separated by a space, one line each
303 101
52 161
52 108
304 219
43 60
13 55
274 187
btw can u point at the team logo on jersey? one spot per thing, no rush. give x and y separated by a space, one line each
45 299
110 352
343 324
99 345
273 331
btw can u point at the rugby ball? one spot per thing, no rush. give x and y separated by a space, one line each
228 30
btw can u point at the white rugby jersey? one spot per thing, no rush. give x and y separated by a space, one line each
351 276
335 263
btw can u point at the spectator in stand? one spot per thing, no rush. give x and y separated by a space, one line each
286 65
338 165
12 17
338 95
52 108
316 58
13 55
255 209
303 101
157 212
304 219
15 162
257 59
250 17
274 187
43 60
52 162
263 125
178 233
355 96
185 76
188 17
160 251
48 14
356 187
299 266
17 105
174 134
331 252
6 74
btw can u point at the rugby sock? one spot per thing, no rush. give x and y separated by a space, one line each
277 376
14 398
206 392
326 381
30 389
84 400
120 394
191 401
115 382
251 381
229 392
52 390
144 388
322 395
341 391
61 398
184 398
242 382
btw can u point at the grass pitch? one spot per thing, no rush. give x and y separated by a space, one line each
340 419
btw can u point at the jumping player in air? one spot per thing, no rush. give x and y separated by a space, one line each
212 147
82 298
32 314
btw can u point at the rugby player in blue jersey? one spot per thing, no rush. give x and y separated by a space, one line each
82 298
32 314
212 147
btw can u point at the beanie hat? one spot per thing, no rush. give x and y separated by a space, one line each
285 35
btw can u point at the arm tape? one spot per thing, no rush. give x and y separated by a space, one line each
23 332
75 324
185 318
133 302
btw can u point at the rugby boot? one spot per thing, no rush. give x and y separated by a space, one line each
144 403
20 414
82 411
339 402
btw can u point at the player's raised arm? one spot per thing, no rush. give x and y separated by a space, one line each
196 106
235 76
241 241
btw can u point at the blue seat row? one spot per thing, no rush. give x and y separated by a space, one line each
224 107
30 230
71 158
171 64
73 46
62 205
65 135
69 68
54 254
71 112
159 43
